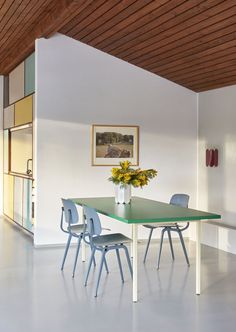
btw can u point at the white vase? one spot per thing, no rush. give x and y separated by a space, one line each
122 193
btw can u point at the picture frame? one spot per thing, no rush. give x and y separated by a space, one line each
112 144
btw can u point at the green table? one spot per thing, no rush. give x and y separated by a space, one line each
142 211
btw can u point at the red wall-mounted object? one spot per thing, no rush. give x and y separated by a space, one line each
212 157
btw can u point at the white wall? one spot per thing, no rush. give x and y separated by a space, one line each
1 144
77 86
217 186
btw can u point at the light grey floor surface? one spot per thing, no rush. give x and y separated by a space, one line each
35 296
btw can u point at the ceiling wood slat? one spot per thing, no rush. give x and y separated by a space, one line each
43 26
26 20
207 51
80 16
148 8
5 12
108 20
114 20
186 15
205 67
91 20
222 72
135 24
16 26
179 38
191 42
181 41
214 83
194 59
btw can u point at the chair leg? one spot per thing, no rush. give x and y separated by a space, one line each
76 255
128 260
94 261
148 243
120 266
91 260
183 246
171 245
106 266
161 243
100 271
66 251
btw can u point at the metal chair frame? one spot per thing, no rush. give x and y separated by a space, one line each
93 235
72 229
168 229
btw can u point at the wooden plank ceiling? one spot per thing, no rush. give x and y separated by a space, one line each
190 42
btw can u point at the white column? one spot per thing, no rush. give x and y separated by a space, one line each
198 257
83 248
135 262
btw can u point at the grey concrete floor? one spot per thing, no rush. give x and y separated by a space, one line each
35 296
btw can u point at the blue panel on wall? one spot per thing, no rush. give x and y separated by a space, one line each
30 74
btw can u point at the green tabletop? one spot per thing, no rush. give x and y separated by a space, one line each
142 210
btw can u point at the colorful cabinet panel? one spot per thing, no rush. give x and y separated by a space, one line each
6 151
18 200
21 150
27 204
30 74
19 87
8 206
16 84
24 111
9 116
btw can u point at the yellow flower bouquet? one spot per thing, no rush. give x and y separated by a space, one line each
125 175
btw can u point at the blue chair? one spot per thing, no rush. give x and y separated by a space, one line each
179 200
103 243
72 228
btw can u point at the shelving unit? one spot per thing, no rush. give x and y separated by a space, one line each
19 89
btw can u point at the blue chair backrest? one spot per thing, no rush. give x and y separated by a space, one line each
180 200
93 222
71 213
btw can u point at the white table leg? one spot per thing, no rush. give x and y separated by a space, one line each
198 257
135 262
131 245
83 249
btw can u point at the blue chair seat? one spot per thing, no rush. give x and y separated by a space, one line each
156 225
110 239
76 228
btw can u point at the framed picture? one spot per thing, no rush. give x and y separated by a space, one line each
114 143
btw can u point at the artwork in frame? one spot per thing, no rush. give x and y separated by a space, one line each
114 143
